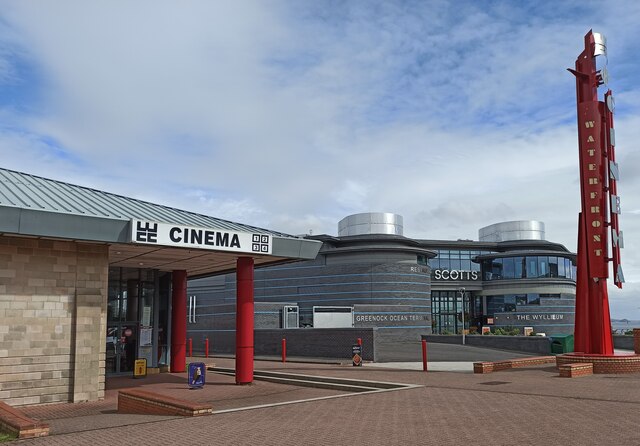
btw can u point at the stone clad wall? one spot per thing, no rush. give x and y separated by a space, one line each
52 320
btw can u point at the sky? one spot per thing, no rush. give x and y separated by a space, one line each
291 115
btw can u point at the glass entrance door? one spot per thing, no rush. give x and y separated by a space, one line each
121 347
446 311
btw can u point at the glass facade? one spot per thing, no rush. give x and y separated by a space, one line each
446 311
455 260
137 317
527 267
510 302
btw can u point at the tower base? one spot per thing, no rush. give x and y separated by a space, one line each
603 364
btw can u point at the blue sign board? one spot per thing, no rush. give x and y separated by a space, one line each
196 375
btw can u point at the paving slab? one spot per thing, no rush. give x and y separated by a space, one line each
529 406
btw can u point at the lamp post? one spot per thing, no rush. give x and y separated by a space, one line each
462 290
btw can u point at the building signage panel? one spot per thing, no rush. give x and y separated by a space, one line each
455 274
398 317
614 176
540 317
390 316
196 374
356 355
594 185
140 368
165 234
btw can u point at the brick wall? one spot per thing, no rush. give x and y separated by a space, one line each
52 320
531 344
603 364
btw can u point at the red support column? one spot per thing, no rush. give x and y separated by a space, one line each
244 320
424 355
179 321
284 350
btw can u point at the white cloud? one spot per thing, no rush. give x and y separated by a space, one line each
290 116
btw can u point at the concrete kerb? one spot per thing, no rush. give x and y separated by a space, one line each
441 366
291 359
351 387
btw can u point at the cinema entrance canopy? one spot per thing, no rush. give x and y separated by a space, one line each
90 281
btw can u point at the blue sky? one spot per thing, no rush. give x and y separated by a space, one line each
292 115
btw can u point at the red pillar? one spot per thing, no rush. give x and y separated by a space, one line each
179 321
244 320
424 355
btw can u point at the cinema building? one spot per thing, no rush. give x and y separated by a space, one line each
91 281
371 276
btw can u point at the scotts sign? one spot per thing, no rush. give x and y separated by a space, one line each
455 274
165 234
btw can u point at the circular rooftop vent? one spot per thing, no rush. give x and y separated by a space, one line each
370 223
512 230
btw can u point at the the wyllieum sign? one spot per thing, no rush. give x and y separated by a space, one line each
165 234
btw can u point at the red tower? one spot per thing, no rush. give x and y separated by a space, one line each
600 204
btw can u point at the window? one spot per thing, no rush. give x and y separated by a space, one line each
543 266
508 268
495 304
568 269
496 269
519 267
510 302
553 267
561 268
532 267
521 299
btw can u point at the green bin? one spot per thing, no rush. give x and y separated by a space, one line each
562 343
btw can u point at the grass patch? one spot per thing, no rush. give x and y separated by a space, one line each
6 437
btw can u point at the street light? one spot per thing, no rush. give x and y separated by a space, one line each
462 290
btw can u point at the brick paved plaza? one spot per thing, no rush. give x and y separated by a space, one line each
523 407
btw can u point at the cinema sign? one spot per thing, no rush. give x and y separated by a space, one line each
455 274
177 236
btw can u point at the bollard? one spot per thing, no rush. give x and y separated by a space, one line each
424 355
359 341
206 347
190 347
284 350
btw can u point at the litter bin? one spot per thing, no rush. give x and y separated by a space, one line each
562 343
